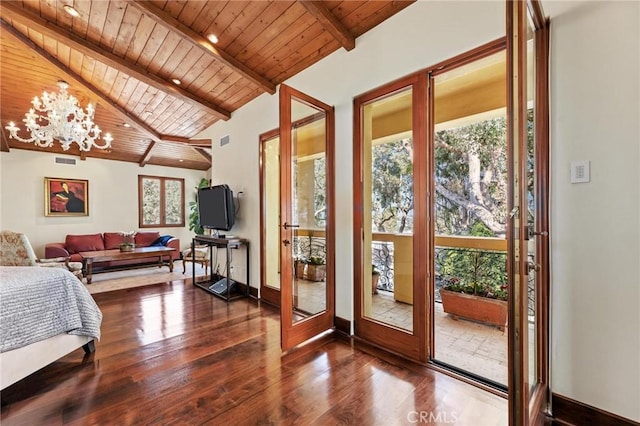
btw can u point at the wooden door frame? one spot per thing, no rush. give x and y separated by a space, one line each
410 345
295 334
527 407
268 294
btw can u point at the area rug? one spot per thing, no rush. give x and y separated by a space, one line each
120 280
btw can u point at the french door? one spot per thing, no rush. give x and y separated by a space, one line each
528 226
307 229
390 217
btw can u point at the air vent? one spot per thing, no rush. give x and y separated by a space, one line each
65 160
225 140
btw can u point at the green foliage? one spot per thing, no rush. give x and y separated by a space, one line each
476 272
313 260
392 181
320 191
194 216
471 165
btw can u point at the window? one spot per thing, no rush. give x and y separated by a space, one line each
160 201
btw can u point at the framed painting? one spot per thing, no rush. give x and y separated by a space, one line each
66 197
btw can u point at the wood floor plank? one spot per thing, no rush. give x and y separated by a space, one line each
172 354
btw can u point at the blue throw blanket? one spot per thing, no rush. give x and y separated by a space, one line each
161 241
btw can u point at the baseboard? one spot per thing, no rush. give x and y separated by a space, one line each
342 325
567 411
253 292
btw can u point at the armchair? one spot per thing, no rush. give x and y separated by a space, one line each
201 255
16 250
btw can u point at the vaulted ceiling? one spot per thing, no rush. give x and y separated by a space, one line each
123 56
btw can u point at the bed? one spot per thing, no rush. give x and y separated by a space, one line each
45 313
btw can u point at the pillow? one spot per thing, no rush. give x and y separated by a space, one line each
112 240
145 239
78 243
162 241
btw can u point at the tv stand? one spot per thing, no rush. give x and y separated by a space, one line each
222 286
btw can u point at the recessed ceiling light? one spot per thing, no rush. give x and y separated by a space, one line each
213 38
181 160
148 113
71 11
176 81
126 124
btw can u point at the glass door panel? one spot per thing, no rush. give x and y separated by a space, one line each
306 222
270 216
308 209
532 223
388 210
470 172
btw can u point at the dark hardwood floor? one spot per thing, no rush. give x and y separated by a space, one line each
173 354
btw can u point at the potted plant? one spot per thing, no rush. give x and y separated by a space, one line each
194 215
475 286
127 243
375 277
315 269
300 266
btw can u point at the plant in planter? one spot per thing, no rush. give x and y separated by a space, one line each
375 277
474 285
300 266
127 243
194 215
316 269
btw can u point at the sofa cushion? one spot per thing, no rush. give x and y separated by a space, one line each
145 239
88 242
112 240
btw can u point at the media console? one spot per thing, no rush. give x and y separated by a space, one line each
221 285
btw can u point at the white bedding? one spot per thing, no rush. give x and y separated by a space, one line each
37 303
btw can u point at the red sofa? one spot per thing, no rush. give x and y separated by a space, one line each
74 244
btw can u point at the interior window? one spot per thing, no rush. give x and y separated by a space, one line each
160 201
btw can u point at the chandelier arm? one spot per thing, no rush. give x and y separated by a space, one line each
65 121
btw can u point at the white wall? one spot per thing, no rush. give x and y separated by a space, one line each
595 238
422 34
113 196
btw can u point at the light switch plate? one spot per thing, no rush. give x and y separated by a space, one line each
580 171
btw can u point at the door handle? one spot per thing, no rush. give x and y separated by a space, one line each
541 233
286 242
287 226
531 232
532 266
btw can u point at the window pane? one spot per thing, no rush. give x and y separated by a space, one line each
173 202
150 201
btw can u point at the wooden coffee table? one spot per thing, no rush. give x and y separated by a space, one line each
89 257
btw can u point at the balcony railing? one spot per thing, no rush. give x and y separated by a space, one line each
485 257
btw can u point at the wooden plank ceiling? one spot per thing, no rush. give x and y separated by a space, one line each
123 55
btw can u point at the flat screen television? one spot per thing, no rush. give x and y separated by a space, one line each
216 208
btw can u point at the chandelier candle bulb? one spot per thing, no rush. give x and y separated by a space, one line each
63 120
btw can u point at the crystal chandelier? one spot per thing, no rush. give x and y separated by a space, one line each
59 116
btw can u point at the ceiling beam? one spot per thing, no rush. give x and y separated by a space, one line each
163 18
147 154
205 143
205 154
77 79
11 11
4 143
330 23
